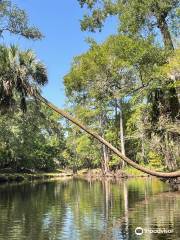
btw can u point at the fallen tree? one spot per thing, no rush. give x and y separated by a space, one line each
103 141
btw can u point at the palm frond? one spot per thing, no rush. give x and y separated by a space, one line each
21 74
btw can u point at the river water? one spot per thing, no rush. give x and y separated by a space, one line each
79 209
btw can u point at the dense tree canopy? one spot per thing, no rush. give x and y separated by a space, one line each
34 140
135 16
131 72
31 140
126 89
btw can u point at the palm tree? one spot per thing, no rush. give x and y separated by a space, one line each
21 75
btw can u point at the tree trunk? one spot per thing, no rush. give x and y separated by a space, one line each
105 160
142 149
116 122
169 159
170 98
103 141
121 131
162 24
172 104
105 154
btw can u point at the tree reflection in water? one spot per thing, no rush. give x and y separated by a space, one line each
81 209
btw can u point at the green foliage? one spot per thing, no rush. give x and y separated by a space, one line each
125 89
133 172
81 151
135 16
21 76
129 74
155 159
34 140
15 20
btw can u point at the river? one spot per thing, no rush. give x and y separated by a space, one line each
74 209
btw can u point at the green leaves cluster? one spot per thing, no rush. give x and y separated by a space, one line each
21 76
135 16
34 140
15 20
125 74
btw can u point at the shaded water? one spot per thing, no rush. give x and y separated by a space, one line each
80 210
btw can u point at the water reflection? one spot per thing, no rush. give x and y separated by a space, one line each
80 209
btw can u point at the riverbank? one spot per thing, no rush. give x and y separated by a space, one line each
7 177
20 177
126 173
97 173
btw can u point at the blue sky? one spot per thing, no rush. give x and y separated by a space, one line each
59 21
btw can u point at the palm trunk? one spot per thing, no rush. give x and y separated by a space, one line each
103 141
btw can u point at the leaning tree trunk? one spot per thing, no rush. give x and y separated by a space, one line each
103 141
